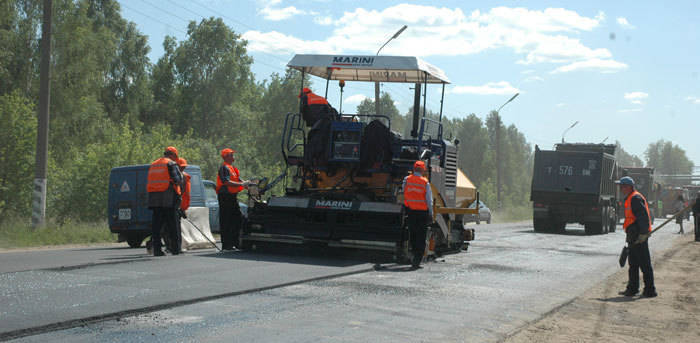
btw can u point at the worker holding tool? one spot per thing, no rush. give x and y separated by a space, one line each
228 185
637 226
418 200
184 202
164 184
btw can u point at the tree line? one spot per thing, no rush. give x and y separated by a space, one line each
112 106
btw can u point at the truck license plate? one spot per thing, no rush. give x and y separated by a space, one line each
124 213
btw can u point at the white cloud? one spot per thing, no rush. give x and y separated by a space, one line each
601 65
491 88
324 21
693 100
537 36
636 98
630 110
527 71
561 104
270 12
355 99
622 21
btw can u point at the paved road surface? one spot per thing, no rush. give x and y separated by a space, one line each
509 277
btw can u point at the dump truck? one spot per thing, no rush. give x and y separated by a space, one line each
575 183
644 183
343 175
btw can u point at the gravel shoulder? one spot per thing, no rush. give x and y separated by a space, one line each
602 315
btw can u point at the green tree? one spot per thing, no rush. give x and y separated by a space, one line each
17 145
625 159
668 158
213 72
386 107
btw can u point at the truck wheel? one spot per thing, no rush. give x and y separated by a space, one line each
134 241
560 227
593 228
539 224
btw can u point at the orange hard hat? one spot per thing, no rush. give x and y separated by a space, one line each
182 162
305 90
226 151
419 165
171 149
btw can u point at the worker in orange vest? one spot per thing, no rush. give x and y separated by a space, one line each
637 226
185 203
228 185
164 184
418 202
314 107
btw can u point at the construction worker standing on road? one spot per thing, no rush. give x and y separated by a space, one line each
679 205
164 184
228 185
637 225
184 203
418 200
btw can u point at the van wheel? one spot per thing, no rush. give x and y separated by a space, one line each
134 241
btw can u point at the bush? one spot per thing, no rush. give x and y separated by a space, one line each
17 233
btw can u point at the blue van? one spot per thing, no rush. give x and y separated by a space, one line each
127 202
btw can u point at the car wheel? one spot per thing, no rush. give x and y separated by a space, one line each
488 221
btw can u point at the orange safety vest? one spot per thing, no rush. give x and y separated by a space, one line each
234 177
185 204
629 216
159 177
414 193
313 99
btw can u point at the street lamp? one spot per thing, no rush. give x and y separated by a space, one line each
376 83
569 128
498 150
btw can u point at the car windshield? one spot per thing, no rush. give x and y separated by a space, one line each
210 191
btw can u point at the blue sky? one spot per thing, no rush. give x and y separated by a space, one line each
625 70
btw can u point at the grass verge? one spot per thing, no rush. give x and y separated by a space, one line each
513 214
18 233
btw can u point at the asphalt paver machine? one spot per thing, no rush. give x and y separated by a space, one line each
342 185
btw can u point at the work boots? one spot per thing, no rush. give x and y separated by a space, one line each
629 292
649 292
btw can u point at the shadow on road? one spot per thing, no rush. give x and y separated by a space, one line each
568 232
618 299
305 255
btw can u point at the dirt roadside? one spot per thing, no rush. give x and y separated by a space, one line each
602 315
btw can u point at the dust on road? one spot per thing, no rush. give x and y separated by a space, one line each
602 315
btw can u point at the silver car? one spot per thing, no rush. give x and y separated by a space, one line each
484 214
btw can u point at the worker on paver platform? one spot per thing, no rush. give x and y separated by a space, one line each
418 200
314 107
637 226
228 185
164 190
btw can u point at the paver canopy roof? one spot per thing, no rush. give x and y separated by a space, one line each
369 68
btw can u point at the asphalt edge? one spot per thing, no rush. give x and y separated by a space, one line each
15 334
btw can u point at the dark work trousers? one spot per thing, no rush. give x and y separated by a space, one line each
164 218
697 227
176 240
229 220
639 258
417 222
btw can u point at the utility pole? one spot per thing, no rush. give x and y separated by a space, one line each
42 137
498 150
376 83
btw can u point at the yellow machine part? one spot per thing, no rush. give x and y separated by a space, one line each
379 183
